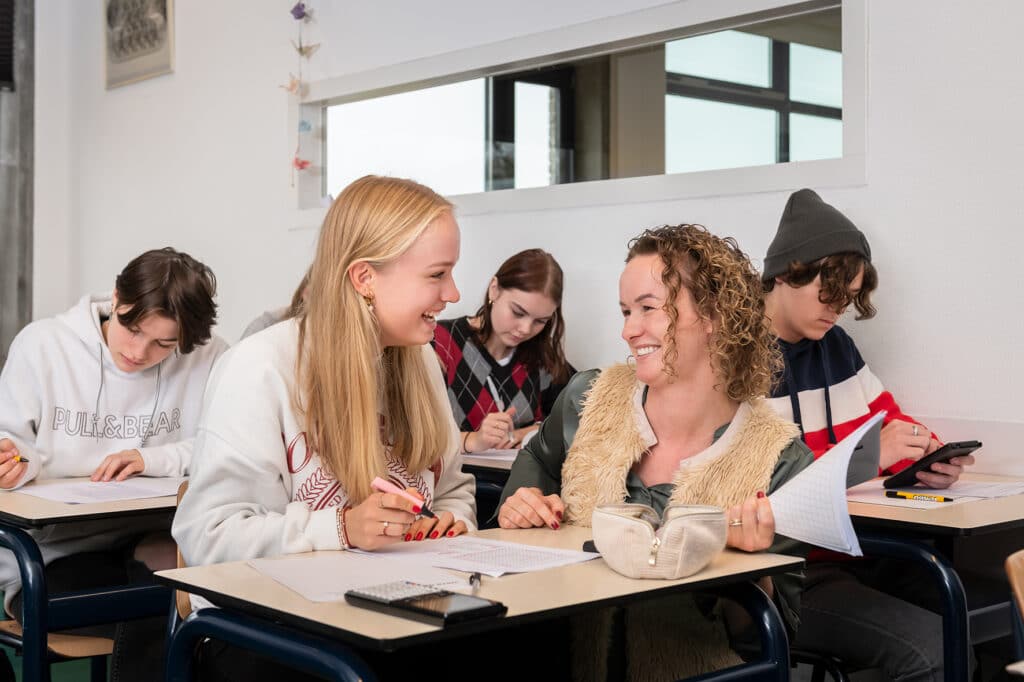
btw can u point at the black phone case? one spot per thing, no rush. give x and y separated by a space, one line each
414 608
908 477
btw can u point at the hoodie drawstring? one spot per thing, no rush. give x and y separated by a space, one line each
828 399
152 413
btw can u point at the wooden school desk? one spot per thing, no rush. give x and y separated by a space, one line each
44 612
252 603
901 531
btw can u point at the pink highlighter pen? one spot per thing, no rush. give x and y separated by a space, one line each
388 487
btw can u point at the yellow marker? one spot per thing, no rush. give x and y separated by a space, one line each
917 496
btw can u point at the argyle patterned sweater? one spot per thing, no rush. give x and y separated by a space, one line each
828 390
467 364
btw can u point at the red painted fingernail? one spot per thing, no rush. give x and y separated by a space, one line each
554 526
760 494
408 536
451 533
433 535
417 510
559 515
419 536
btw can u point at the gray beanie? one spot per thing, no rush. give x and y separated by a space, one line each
811 229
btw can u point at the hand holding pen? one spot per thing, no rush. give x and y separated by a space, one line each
12 465
429 526
496 431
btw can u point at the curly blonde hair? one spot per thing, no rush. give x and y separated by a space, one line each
726 290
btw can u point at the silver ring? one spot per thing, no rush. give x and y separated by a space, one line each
736 522
915 429
384 531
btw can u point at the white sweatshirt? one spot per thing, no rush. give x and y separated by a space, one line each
66 406
255 490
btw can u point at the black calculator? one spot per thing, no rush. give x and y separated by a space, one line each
424 603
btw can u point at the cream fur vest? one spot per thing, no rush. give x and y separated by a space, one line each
667 638
608 444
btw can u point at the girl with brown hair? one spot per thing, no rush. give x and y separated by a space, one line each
682 423
504 365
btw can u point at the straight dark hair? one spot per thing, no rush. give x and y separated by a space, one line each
172 284
534 271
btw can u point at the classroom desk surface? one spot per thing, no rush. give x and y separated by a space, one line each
970 518
25 511
473 463
529 596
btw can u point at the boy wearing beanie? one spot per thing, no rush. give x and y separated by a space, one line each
818 265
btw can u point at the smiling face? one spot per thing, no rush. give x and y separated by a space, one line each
645 325
412 290
518 316
798 313
143 345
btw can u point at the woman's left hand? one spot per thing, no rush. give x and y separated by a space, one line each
119 466
443 525
751 525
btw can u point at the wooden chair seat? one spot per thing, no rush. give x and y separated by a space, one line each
67 646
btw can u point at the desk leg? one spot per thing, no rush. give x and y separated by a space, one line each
312 654
773 664
34 599
955 629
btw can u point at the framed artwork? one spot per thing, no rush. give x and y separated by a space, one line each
139 39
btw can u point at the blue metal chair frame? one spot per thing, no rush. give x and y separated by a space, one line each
43 613
335 661
309 653
955 627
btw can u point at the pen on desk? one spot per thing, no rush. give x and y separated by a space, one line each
389 487
499 403
917 496
474 581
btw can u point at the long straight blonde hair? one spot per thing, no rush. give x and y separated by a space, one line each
345 379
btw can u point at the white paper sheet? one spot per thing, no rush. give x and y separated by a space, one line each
84 492
872 492
811 506
326 577
490 557
975 489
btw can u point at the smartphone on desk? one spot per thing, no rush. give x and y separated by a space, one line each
424 603
908 476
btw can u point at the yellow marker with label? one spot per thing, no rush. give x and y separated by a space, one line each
917 496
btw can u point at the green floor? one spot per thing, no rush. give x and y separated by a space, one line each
72 671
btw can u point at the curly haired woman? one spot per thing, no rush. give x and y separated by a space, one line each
693 317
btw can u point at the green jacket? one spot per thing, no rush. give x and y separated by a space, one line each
539 465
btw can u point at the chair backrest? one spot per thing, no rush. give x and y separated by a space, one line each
181 599
1015 572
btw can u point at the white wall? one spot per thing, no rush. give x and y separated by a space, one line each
198 159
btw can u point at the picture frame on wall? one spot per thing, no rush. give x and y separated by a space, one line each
139 40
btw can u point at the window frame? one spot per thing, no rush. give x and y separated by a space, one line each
606 35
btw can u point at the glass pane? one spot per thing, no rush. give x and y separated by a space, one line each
536 121
434 136
815 75
725 56
814 137
704 135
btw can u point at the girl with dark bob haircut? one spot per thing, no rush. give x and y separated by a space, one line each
110 389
